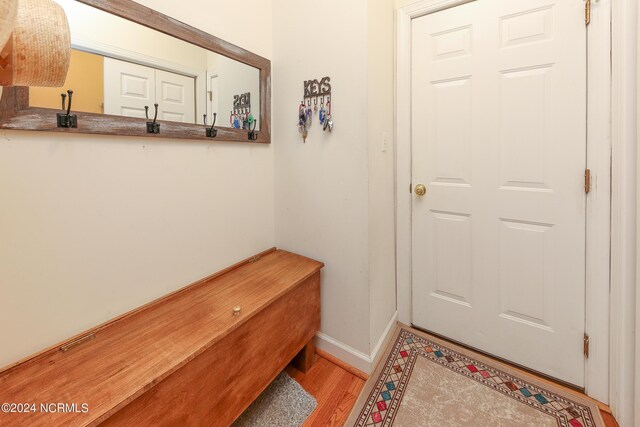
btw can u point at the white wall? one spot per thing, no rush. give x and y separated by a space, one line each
247 24
322 186
381 111
93 226
334 194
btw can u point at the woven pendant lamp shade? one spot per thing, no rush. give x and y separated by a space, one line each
39 50
8 9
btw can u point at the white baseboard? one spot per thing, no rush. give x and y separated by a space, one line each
378 350
352 356
344 352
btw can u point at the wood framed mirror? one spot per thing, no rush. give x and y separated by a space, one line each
125 57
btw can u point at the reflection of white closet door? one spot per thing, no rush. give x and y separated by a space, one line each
128 88
176 97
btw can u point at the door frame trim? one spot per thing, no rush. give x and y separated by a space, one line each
623 231
598 225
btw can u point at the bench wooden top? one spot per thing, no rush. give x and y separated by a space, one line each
130 355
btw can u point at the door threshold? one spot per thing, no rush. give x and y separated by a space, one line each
517 366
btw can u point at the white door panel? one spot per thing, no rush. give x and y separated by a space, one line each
127 88
498 138
176 97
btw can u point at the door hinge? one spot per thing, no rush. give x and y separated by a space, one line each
586 346
410 187
587 181
587 12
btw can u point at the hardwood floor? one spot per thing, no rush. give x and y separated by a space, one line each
336 389
609 421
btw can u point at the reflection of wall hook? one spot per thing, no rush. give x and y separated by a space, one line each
211 132
67 120
152 127
253 135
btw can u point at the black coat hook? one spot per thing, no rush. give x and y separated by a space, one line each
67 120
253 135
211 132
152 127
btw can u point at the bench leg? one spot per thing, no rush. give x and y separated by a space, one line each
304 359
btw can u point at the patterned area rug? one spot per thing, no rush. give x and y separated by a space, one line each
423 381
284 403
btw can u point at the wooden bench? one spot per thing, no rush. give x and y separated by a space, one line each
185 359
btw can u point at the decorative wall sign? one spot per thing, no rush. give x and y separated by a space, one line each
315 88
242 101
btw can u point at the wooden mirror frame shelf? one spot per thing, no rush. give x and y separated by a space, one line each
16 114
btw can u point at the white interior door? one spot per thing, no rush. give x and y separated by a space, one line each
176 97
128 88
499 140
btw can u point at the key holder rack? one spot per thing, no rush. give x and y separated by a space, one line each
316 93
152 127
241 117
67 120
211 132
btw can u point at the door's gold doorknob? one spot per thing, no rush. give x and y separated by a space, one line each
421 190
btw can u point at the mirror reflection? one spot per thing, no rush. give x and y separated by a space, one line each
118 67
